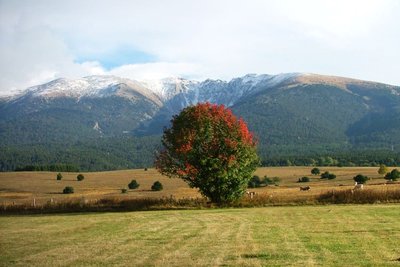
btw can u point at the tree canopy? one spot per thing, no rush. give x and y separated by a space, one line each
210 149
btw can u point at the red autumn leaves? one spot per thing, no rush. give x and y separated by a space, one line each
202 131
210 149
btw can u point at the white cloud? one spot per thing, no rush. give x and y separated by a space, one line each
42 40
92 68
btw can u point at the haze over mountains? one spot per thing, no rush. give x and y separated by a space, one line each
294 113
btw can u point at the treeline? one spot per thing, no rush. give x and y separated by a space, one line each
50 168
138 152
370 159
90 155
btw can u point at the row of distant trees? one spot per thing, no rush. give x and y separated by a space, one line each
157 185
383 170
79 177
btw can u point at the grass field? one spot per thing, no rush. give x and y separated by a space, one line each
333 235
23 187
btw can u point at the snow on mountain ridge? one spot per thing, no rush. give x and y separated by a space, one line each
63 87
167 88
190 91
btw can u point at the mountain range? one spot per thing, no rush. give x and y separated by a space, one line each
116 122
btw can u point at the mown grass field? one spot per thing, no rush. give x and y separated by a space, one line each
332 235
23 187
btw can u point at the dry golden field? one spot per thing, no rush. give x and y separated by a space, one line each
24 187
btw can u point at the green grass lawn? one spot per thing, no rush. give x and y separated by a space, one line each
349 235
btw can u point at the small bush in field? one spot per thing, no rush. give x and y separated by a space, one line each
270 181
315 171
304 179
360 179
276 180
157 186
68 190
145 169
133 184
59 176
327 175
80 177
254 182
124 190
393 175
383 169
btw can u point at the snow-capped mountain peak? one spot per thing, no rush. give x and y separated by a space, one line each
76 88
167 88
182 92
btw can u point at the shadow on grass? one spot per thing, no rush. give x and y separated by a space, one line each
266 256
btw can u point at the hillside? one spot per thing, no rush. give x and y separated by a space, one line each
106 122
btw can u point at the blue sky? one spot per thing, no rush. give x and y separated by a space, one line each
116 57
220 39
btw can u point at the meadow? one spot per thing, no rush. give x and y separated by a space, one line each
41 187
330 235
292 230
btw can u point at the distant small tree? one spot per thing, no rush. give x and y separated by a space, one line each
68 190
254 182
360 179
80 177
327 175
267 181
304 179
133 184
59 176
393 175
315 171
157 186
124 190
383 169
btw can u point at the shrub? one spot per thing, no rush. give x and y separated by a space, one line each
315 171
80 177
304 179
157 186
270 181
383 169
327 175
124 190
59 176
276 180
133 184
145 169
254 182
68 190
360 179
393 175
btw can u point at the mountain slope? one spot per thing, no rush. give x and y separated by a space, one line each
291 114
71 110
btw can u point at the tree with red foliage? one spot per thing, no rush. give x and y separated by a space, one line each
210 149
